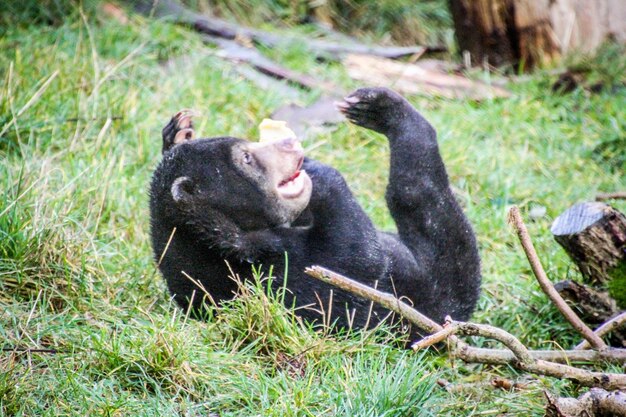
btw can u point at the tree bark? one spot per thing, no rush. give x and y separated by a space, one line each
526 33
482 29
595 403
594 306
594 236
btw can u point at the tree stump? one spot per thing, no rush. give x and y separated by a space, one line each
529 32
594 236
594 306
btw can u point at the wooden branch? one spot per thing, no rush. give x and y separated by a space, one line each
540 362
526 362
515 218
500 356
615 356
267 83
619 195
520 351
225 36
437 337
605 328
382 298
233 51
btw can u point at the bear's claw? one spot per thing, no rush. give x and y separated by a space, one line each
372 108
179 129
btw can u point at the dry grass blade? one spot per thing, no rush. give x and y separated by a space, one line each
35 97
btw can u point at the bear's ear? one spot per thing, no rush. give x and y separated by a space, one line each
182 190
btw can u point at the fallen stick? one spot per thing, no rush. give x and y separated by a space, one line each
526 362
618 195
615 356
233 51
384 299
515 218
541 362
266 82
435 338
605 328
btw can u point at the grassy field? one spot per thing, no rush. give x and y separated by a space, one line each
82 104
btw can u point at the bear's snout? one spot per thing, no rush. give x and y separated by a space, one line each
289 145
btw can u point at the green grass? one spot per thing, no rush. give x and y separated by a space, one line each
82 103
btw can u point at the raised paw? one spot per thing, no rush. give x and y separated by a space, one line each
179 129
378 109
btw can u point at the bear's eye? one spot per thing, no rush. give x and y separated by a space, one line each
247 158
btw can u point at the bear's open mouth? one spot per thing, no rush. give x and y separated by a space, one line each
292 186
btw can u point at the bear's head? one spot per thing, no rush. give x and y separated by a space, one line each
252 185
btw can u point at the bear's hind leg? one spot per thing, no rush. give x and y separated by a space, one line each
430 221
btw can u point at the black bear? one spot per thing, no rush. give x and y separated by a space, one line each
227 200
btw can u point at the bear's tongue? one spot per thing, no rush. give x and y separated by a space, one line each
293 177
292 186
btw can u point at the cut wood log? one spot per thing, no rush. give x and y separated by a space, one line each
594 235
410 78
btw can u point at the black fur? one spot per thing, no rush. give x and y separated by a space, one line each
433 260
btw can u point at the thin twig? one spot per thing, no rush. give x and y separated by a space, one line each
520 351
35 97
435 337
615 356
515 218
384 299
618 195
605 328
